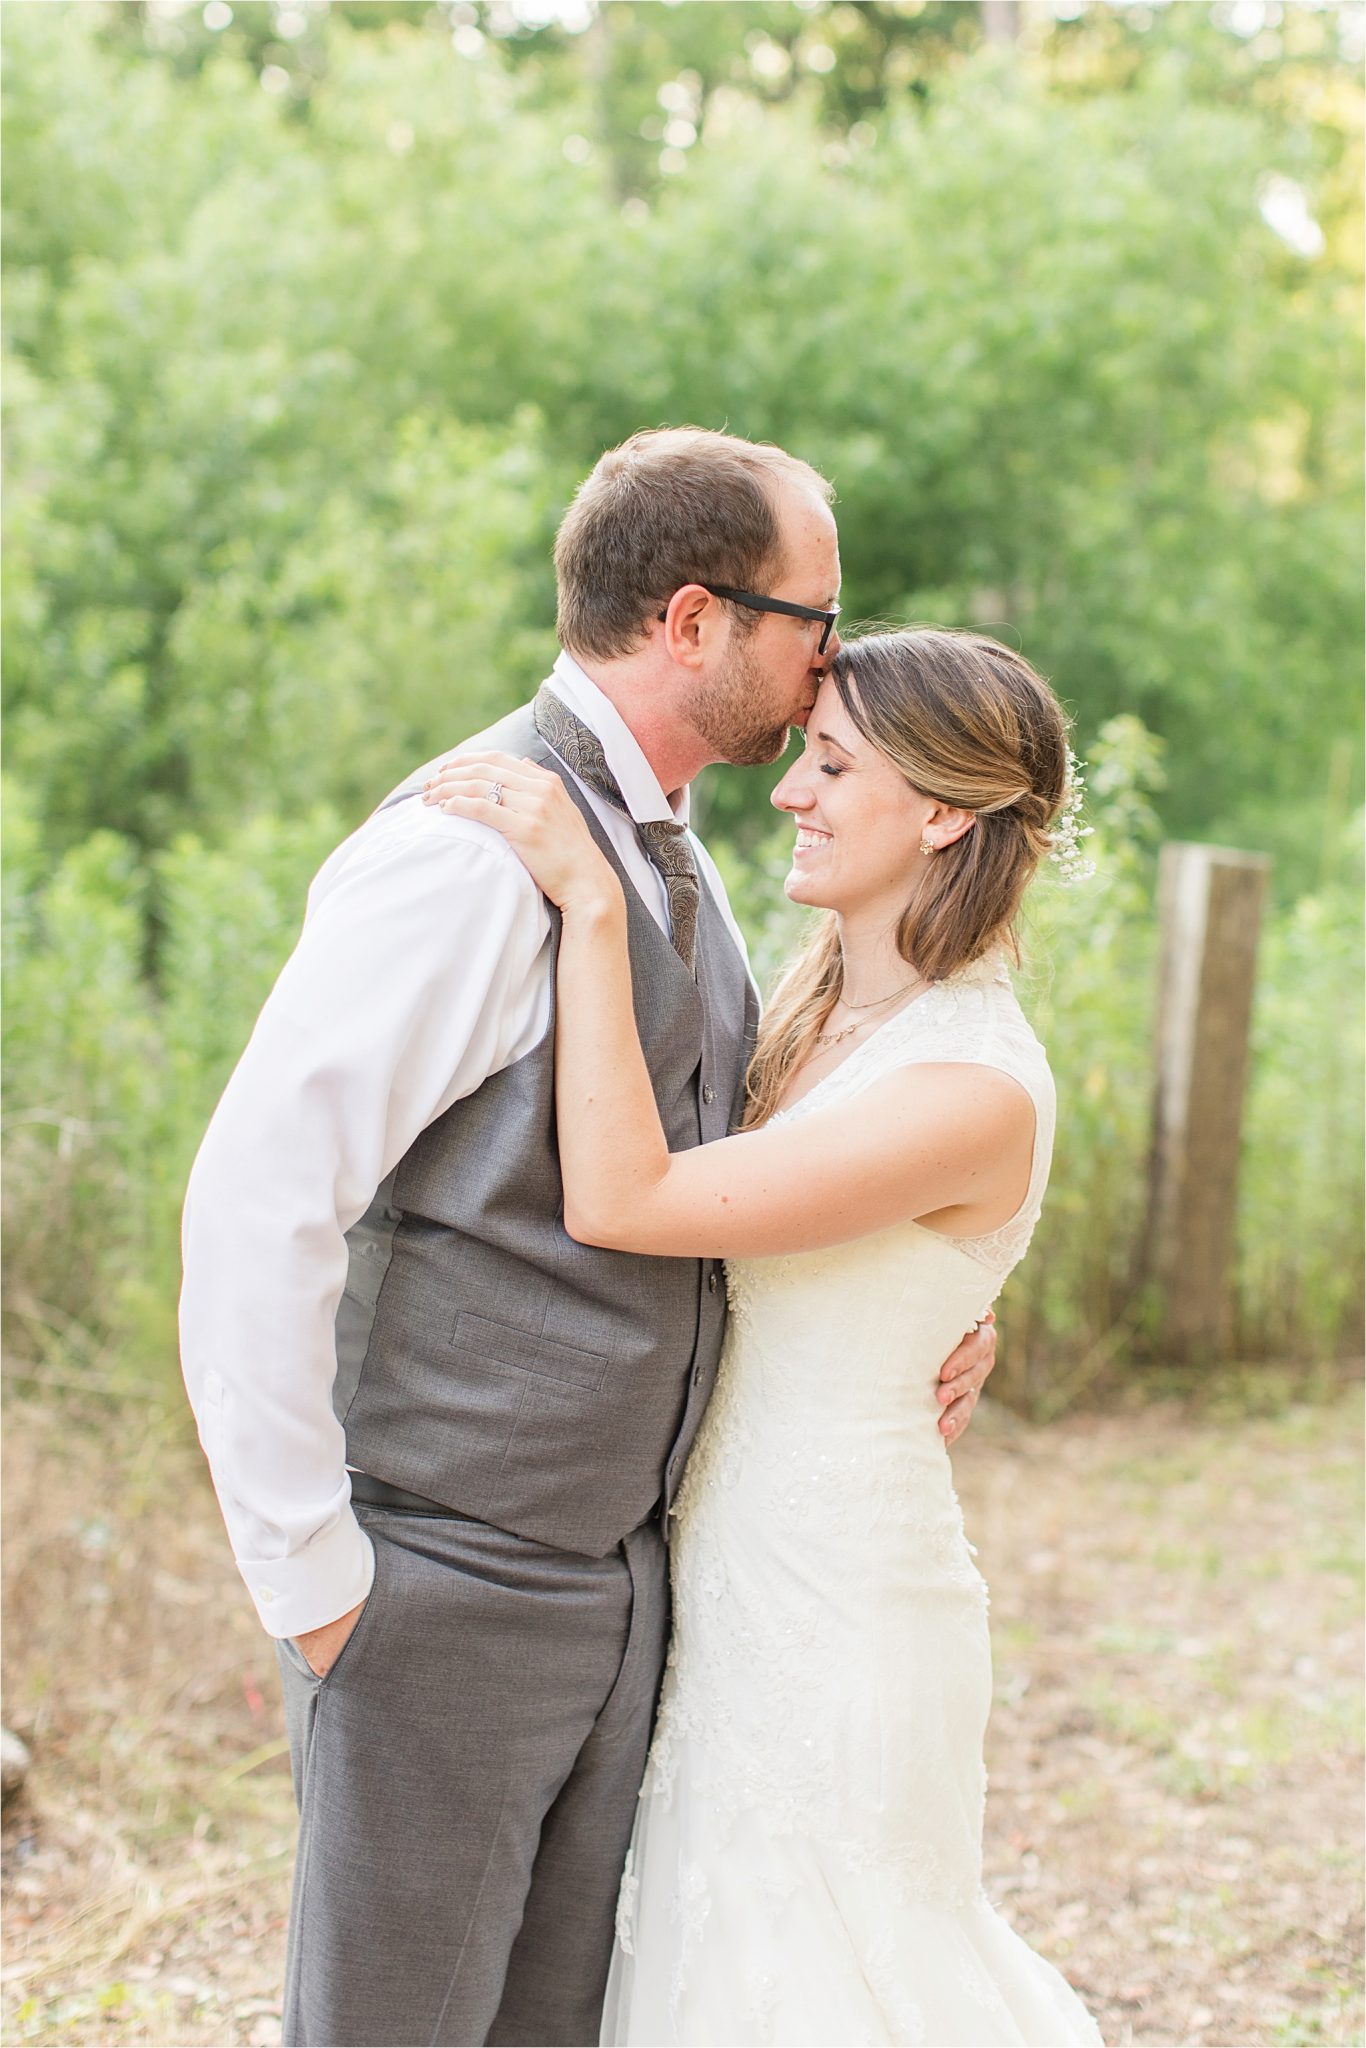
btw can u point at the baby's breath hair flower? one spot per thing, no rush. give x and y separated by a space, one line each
1069 831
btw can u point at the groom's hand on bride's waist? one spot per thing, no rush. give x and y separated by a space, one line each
321 1647
963 1376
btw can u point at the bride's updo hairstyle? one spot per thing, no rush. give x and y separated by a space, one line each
970 724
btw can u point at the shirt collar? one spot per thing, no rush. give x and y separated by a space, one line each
636 779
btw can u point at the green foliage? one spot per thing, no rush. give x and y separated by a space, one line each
80 1050
1300 1188
108 1082
289 366
391 625
311 328
1089 951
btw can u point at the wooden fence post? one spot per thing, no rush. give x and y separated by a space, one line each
1209 905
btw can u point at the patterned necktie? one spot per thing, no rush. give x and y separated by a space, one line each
665 841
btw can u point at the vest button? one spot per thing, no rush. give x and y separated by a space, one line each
709 1093
712 1282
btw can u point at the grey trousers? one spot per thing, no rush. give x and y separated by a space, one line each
467 1776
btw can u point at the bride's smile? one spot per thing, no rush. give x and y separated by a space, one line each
862 828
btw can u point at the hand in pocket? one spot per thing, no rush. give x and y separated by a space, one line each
321 1647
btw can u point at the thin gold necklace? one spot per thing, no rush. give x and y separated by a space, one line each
835 1037
881 999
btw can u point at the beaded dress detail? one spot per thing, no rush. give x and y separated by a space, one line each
806 1863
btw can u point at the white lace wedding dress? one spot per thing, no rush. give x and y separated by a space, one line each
806 1864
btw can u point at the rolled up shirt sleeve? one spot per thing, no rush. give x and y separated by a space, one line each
422 969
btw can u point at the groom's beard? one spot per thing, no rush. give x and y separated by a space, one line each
736 721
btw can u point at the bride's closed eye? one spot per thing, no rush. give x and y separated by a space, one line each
830 768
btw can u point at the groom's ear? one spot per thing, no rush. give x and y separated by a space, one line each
691 618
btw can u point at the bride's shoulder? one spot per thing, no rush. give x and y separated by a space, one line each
977 1012
981 993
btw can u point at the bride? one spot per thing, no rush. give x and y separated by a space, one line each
806 1864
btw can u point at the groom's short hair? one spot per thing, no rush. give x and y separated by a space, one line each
671 506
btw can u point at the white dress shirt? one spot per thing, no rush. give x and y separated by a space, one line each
422 968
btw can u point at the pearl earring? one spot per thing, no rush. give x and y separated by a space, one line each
926 847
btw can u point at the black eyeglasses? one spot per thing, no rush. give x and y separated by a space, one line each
775 604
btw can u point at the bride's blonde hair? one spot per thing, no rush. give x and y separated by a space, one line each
968 723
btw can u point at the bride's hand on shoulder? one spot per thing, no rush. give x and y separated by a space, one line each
535 813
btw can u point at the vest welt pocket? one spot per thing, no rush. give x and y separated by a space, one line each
490 1343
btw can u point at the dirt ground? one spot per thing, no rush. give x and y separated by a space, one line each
1176 1793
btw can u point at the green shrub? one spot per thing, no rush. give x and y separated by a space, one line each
110 1075
81 1067
1300 1192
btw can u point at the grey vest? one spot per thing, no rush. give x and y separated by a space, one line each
483 1357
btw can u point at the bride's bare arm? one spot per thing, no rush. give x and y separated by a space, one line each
924 1142
950 1142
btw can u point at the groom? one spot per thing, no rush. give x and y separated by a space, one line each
444 1436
